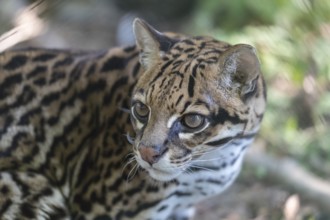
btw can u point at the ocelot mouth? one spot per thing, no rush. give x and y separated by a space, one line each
163 175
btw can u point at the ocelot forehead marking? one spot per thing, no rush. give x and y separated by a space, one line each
182 67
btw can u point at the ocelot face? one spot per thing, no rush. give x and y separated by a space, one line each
195 96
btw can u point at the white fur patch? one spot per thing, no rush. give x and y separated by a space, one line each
139 97
230 69
171 121
185 135
139 125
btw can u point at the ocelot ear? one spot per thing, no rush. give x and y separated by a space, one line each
240 69
152 43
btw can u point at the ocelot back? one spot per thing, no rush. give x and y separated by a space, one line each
142 132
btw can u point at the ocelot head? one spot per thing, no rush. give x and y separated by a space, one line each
195 95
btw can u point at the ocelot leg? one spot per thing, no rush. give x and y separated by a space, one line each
28 195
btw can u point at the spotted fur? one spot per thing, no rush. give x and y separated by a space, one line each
72 143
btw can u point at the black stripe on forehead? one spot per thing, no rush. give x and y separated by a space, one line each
178 100
191 83
150 93
162 70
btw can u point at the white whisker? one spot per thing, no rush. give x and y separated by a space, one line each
211 159
130 160
202 168
136 170
132 173
129 155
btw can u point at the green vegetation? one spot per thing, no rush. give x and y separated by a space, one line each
293 42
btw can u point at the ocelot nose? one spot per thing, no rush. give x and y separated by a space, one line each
151 154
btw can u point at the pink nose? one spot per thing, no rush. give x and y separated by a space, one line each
150 154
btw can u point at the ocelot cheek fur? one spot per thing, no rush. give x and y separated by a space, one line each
142 132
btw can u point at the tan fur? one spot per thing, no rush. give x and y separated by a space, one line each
65 117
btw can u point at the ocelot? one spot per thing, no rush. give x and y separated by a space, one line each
141 132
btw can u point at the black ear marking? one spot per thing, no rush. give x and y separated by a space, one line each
250 90
151 42
165 43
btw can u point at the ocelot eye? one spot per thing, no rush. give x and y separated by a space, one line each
140 111
193 121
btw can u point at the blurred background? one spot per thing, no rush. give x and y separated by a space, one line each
287 171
